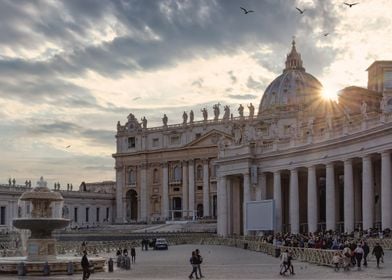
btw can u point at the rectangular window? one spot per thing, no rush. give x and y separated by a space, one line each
175 140
198 135
131 142
87 212
107 214
97 215
199 188
76 214
388 80
155 142
2 215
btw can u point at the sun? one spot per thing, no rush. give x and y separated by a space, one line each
330 94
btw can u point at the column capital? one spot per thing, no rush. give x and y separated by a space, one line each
191 161
293 169
204 160
184 162
164 164
330 164
385 153
348 161
143 165
366 158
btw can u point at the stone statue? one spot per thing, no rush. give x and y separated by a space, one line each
364 110
144 122
184 117
310 126
9 182
216 111
241 111
41 183
328 120
205 114
164 120
13 182
191 116
251 110
226 115
29 183
71 187
383 105
26 183
118 125
237 135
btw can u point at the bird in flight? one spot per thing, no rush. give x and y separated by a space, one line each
300 11
246 11
350 4
69 146
326 34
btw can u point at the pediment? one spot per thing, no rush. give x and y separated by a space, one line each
209 139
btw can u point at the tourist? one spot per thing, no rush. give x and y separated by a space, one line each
133 254
378 252
199 261
358 252
290 263
284 265
125 252
336 261
85 266
366 251
194 261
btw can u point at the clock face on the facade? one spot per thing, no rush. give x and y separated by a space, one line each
388 80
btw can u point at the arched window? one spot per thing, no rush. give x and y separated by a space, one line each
177 173
155 176
131 177
199 172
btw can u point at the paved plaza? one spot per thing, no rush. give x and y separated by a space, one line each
222 262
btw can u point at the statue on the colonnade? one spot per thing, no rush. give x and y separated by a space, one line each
241 110
251 110
216 111
364 110
184 117
164 120
205 114
144 122
226 115
191 116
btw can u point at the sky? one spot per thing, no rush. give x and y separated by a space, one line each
69 70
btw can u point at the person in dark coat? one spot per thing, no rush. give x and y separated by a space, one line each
378 252
133 254
366 251
85 266
194 260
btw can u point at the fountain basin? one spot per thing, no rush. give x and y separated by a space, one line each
40 227
59 266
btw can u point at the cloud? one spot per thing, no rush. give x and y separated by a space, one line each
198 83
242 96
233 78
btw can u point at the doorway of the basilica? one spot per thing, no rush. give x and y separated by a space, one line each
177 206
235 205
131 205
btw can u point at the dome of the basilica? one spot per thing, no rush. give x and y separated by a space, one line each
295 87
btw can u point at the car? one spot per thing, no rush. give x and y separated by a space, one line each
161 244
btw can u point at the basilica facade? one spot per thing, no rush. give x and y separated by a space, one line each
325 164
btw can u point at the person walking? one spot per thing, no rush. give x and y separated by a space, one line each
378 252
85 266
366 251
200 260
358 252
194 261
284 265
133 254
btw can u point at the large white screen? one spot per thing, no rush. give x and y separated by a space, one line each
260 215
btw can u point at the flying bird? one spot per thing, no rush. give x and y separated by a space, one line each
300 11
69 146
350 4
326 34
246 11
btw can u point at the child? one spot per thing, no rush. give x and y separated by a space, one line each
336 261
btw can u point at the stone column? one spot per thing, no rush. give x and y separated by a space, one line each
278 201
312 199
143 193
120 181
294 201
386 193
330 211
222 206
185 188
247 198
191 193
165 191
348 196
367 193
206 189
261 191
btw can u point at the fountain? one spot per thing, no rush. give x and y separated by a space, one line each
41 213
